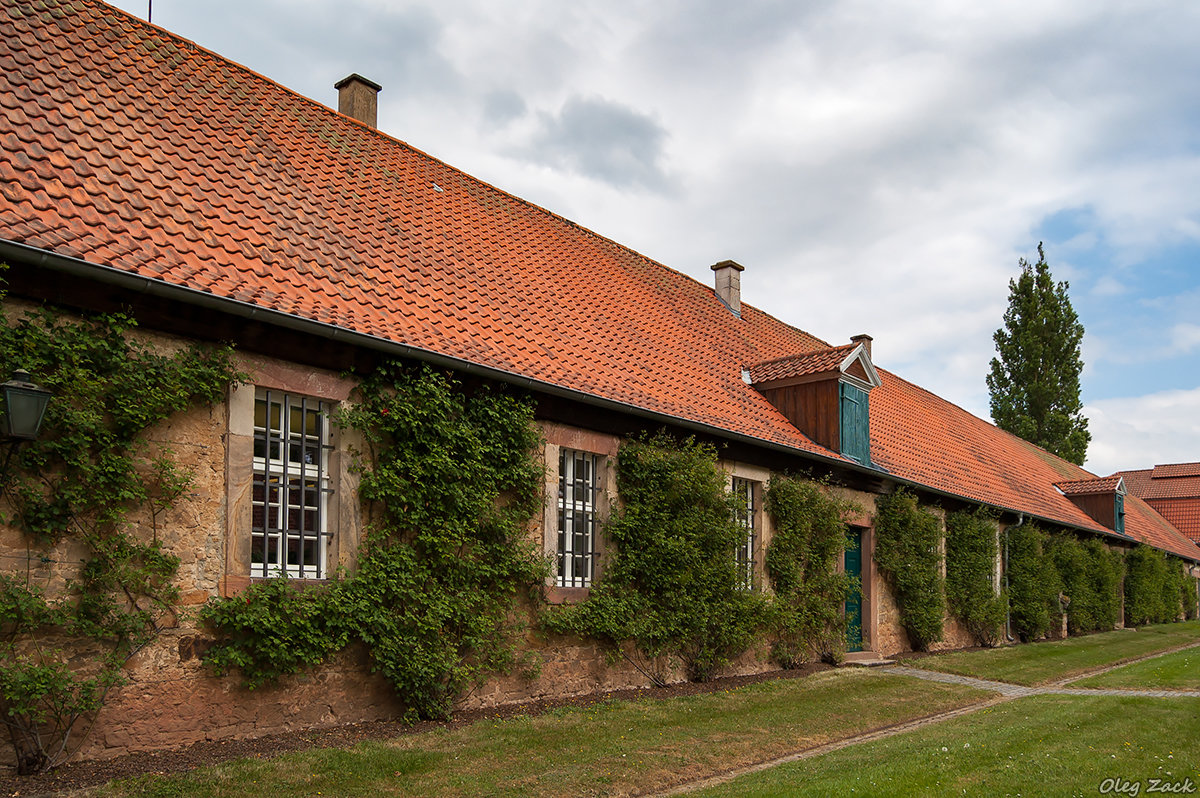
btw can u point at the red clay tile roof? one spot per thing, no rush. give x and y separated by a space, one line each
1175 470
1148 484
1090 486
816 362
1183 514
127 147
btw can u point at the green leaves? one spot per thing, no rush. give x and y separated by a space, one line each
1090 577
1155 587
907 542
89 469
451 484
1033 583
972 594
801 561
1034 383
672 584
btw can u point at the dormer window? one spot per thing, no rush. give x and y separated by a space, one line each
825 394
1103 499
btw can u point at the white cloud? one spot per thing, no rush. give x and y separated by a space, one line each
1185 337
1143 431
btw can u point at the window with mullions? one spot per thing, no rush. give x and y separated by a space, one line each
745 514
289 534
578 489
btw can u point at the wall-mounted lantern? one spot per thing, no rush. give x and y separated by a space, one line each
25 405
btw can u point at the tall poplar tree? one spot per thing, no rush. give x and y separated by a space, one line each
1034 383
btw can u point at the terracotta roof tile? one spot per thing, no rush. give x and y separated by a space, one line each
1175 470
1148 484
1183 514
191 170
1090 486
816 362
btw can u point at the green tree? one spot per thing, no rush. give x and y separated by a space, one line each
1034 383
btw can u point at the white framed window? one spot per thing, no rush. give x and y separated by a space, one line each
289 529
746 514
578 492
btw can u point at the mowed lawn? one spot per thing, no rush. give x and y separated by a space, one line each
614 748
1052 745
1177 671
1041 663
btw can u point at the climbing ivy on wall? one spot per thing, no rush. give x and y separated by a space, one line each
972 594
907 551
451 484
1089 576
671 585
91 490
1033 583
801 561
1154 587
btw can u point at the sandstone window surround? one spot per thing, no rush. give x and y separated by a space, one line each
289 532
573 512
747 494
291 504
579 489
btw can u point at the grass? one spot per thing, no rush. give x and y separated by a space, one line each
1040 663
612 748
1178 671
1045 745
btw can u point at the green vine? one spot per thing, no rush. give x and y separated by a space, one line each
450 482
801 560
1089 576
972 594
906 548
1033 584
672 584
1154 587
79 485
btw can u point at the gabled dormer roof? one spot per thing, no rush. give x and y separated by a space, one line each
849 362
1092 486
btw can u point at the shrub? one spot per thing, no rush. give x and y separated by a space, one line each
971 591
801 564
906 549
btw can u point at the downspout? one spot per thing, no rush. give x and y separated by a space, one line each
1007 596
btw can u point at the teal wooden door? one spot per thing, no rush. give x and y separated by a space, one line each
854 637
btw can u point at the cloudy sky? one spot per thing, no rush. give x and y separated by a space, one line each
876 167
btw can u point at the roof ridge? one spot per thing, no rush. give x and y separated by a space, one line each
810 353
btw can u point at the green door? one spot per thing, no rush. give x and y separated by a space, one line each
854 638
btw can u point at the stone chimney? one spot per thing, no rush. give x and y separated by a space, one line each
358 98
863 339
729 284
